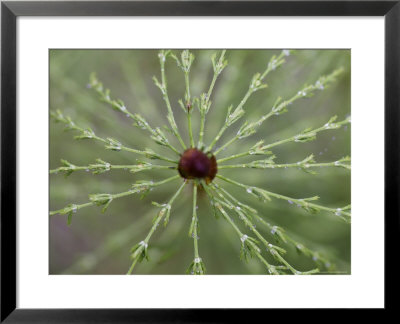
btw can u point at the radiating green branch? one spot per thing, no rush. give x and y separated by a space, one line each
194 223
279 107
305 203
275 62
281 235
185 64
101 166
307 91
188 110
236 213
197 266
104 199
304 165
189 118
230 119
305 136
139 251
110 143
310 134
145 166
114 242
204 106
249 246
163 87
255 85
205 103
218 67
233 205
274 250
139 121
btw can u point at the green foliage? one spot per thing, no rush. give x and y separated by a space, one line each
254 232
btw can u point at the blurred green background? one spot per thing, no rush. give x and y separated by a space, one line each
97 243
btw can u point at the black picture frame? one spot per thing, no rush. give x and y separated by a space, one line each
10 10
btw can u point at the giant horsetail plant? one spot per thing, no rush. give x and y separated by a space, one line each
203 170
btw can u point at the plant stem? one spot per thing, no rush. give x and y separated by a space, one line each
234 156
241 214
298 201
201 132
156 223
111 197
223 212
270 268
160 216
110 143
223 147
315 255
288 140
278 109
166 180
273 250
166 99
140 122
132 266
288 165
225 126
111 167
272 65
160 157
194 215
188 104
216 138
217 72
187 85
189 118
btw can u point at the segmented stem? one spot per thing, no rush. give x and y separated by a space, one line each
223 147
305 136
111 144
219 198
300 165
105 199
142 246
254 248
256 84
279 107
163 87
282 235
218 67
275 251
100 168
217 71
188 106
194 216
189 118
226 125
119 105
344 215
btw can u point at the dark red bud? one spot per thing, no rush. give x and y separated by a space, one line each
196 164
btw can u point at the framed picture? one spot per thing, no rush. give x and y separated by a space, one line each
267 129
